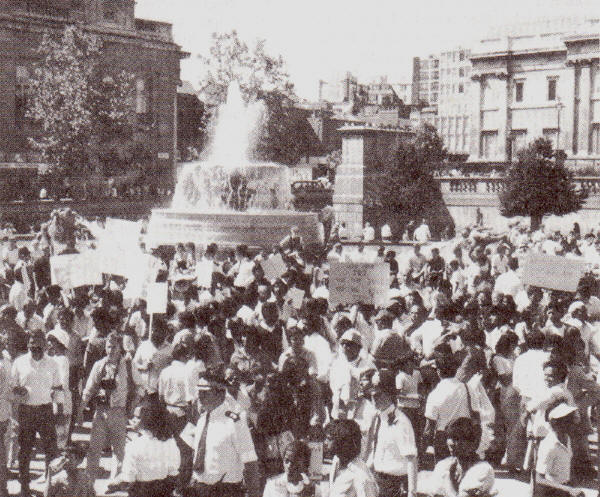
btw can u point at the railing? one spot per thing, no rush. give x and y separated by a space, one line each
482 185
309 186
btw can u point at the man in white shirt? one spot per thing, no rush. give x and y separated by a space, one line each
386 232
17 296
344 374
368 232
509 283
224 454
422 233
391 446
36 383
448 401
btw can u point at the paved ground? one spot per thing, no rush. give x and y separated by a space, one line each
506 486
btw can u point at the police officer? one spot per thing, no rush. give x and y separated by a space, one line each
224 457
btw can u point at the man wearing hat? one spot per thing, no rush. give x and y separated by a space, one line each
553 467
344 374
36 383
225 462
391 447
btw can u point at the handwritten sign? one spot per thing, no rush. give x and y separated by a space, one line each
157 298
274 267
74 270
358 282
553 272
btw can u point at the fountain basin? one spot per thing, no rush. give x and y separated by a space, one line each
255 229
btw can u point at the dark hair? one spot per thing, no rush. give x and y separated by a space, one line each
446 365
346 437
299 451
464 429
506 343
153 417
560 368
187 320
180 352
535 340
342 325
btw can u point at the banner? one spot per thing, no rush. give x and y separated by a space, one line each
74 270
553 272
358 282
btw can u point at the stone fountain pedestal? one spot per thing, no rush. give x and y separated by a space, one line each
255 229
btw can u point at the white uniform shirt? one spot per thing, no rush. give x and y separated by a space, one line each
228 445
147 459
40 378
395 443
447 402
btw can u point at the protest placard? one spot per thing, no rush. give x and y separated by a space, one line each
358 282
157 298
553 272
274 267
74 270
204 272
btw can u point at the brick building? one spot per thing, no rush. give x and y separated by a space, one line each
144 48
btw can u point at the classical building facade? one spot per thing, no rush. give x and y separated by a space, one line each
539 82
144 48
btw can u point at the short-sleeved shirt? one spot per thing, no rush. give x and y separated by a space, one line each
446 402
40 378
141 463
478 478
173 387
395 443
228 445
554 459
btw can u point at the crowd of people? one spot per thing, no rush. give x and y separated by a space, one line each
241 389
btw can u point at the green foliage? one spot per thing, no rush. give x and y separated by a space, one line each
539 183
406 186
81 107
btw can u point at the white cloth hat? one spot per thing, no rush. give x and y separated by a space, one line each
572 322
353 336
61 336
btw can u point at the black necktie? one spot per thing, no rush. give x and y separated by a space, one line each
201 448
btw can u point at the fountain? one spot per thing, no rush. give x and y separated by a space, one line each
228 199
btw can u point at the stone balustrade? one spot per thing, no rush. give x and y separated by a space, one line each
482 185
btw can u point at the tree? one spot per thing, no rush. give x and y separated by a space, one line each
82 107
284 130
407 188
230 59
538 184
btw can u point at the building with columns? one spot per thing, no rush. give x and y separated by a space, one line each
542 81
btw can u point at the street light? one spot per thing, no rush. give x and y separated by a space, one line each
559 107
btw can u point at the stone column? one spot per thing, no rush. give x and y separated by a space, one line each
348 193
475 132
584 111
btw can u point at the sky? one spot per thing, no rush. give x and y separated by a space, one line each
323 39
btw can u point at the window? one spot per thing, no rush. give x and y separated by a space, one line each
461 55
519 91
596 138
21 94
552 89
461 88
434 97
489 140
461 72
141 96
436 75
436 63
519 140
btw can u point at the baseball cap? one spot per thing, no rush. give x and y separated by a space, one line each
561 410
